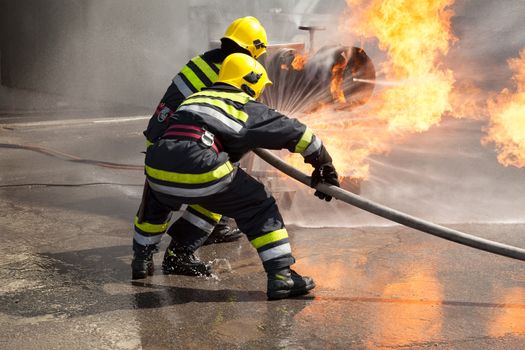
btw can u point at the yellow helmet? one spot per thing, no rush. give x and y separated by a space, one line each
248 33
245 73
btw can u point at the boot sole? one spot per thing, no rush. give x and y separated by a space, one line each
206 273
283 294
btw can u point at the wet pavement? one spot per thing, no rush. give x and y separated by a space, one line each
65 234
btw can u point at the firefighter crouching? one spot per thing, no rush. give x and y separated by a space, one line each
197 226
192 163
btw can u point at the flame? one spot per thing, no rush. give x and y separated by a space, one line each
299 61
416 36
507 119
336 84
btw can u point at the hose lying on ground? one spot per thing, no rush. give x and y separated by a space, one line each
394 215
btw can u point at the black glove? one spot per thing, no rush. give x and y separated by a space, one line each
324 174
324 171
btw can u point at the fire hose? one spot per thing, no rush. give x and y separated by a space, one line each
334 191
395 215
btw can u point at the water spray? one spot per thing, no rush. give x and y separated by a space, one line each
379 82
395 215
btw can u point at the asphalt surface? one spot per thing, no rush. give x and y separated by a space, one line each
65 250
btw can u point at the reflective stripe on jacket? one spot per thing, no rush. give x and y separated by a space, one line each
201 71
188 168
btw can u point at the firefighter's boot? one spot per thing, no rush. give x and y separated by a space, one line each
142 263
223 233
286 283
181 261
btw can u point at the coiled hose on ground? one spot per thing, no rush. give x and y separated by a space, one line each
394 215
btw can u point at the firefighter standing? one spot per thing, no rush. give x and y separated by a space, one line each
197 226
191 163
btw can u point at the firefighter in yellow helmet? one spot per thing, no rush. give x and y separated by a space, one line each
193 163
198 226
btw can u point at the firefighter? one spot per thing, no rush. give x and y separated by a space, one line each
197 226
193 163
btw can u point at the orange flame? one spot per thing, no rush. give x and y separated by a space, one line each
507 119
336 84
415 36
299 61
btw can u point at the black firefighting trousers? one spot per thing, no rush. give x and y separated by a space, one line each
245 200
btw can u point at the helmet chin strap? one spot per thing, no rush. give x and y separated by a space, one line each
248 90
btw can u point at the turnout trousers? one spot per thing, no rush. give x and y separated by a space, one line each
244 199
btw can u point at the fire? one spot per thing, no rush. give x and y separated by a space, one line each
507 119
415 36
299 61
336 84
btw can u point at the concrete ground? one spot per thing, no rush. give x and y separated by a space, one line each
65 237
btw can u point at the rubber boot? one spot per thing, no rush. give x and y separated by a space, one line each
142 263
223 233
286 283
181 261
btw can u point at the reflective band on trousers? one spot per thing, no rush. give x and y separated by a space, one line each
213 113
276 252
305 141
228 109
190 179
198 222
314 147
209 214
193 192
268 238
147 240
181 85
150 228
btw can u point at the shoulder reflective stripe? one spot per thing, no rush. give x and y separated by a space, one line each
193 192
217 67
181 85
273 236
205 68
214 216
147 240
305 141
275 252
194 179
314 147
198 222
192 78
150 228
148 143
239 97
229 109
213 113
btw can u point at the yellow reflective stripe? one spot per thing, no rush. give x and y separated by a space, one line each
305 141
148 143
214 216
150 228
268 238
229 109
192 78
205 68
193 179
239 97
